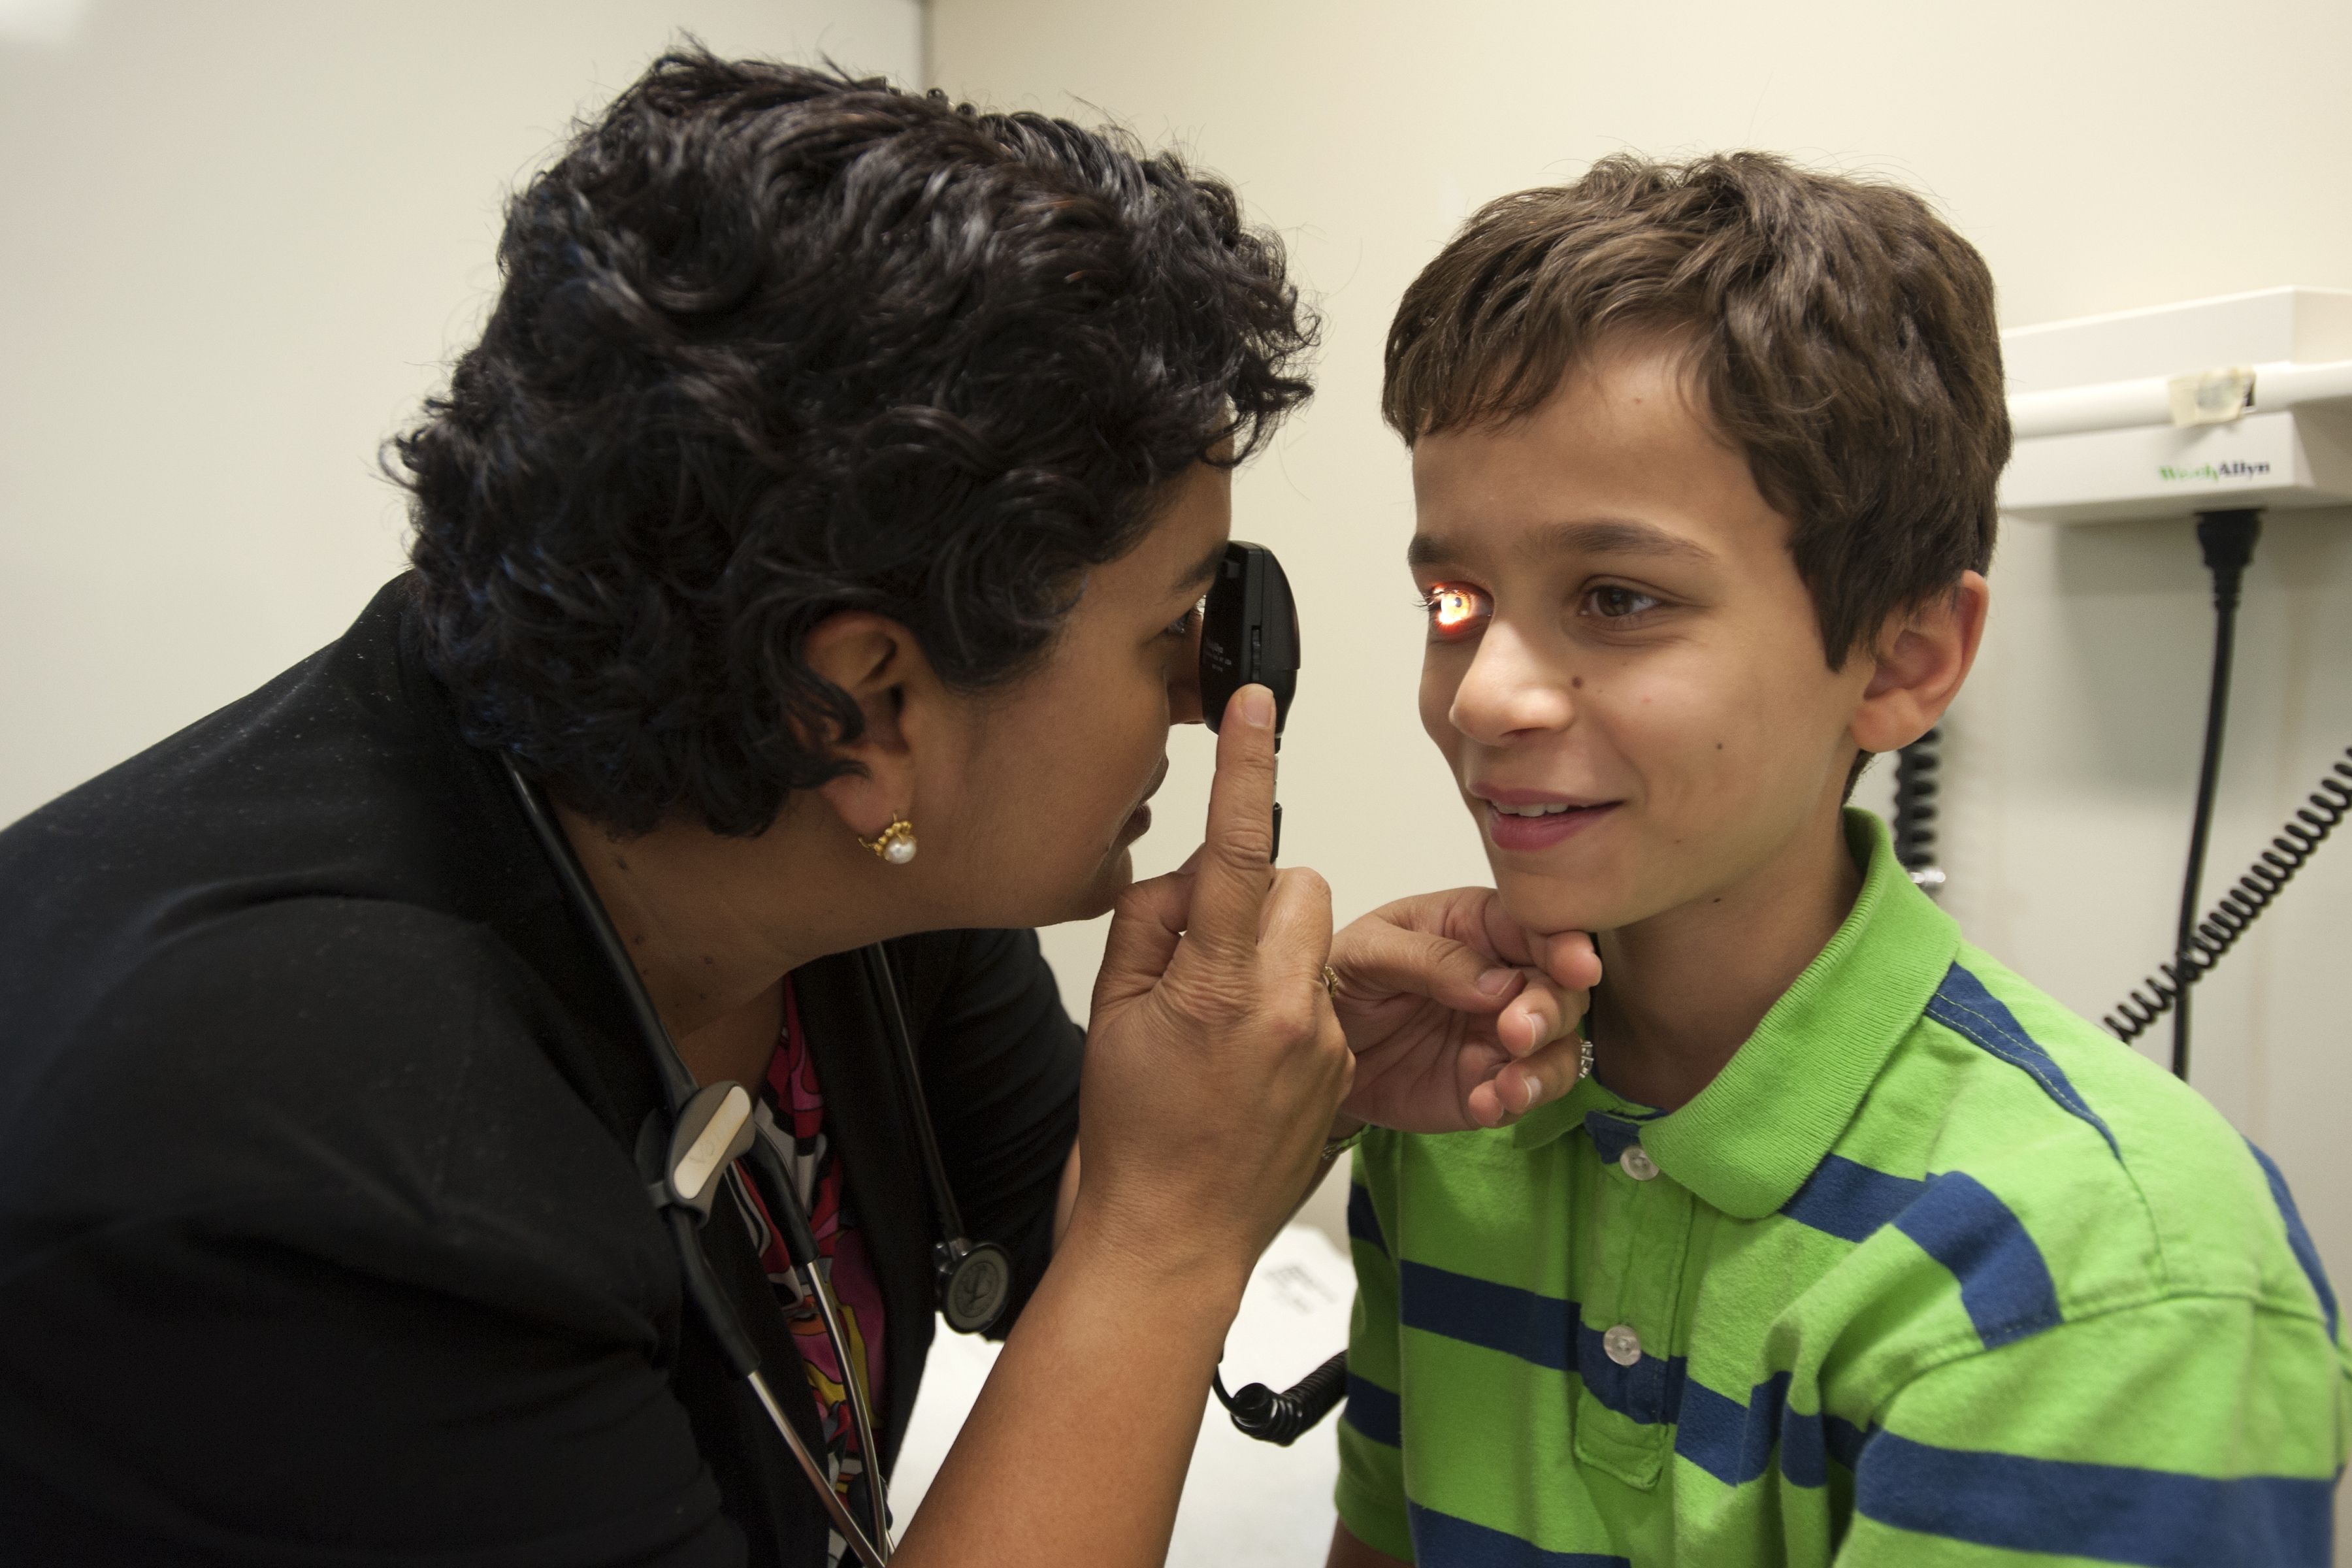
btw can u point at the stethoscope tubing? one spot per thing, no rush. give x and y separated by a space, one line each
948 1217
875 1551
765 1171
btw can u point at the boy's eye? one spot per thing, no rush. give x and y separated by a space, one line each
1616 604
1181 626
1455 611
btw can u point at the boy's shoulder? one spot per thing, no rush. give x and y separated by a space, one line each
2002 1135
2128 1182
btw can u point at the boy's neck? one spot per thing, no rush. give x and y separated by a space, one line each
1683 990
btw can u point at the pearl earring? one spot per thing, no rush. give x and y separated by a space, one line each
895 842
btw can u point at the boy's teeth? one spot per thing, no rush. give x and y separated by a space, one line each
1531 810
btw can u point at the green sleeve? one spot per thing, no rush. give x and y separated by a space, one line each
1370 1492
2201 1429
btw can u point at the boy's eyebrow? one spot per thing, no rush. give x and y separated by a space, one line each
1427 550
1610 536
1605 536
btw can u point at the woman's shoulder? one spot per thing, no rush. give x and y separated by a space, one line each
306 1180
365 1082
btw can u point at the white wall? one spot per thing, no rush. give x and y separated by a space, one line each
240 241
2102 156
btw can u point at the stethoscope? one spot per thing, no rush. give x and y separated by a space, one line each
714 1138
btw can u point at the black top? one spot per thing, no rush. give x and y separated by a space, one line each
321 1241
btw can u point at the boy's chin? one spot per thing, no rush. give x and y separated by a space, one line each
1549 905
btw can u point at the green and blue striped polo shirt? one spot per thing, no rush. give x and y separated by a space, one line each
1932 1273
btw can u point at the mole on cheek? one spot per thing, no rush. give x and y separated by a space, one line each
1577 683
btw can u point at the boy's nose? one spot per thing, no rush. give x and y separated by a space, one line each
1509 690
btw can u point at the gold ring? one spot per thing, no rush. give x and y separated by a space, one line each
1331 982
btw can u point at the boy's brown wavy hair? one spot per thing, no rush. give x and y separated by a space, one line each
1842 334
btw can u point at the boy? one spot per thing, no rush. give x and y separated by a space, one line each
1853 1246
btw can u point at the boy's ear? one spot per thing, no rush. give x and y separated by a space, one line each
883 668
1923 654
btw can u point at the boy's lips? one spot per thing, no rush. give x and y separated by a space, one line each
1527 819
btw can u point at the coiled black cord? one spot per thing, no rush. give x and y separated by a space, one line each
1259 1412
2227 922
1915 788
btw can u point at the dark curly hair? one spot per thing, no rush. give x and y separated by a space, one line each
773 344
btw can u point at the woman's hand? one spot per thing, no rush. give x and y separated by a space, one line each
1214 1063
1213 1070
1458 1017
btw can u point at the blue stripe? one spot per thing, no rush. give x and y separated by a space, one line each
2159 1518
2004 1283
1734 1443
1539 1330
1804 1446
1649 1392
1442 1541
1375 1412
1845 1441
1363 1225
1480 1312
1612 1135
1963 1006
1850 1201
1730 1441
2299 1238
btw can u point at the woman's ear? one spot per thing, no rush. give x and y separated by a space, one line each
882 667
1924 655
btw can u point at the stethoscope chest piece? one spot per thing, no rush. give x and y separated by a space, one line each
713 1130
709 1128
974 1283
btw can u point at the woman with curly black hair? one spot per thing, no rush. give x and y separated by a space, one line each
814 535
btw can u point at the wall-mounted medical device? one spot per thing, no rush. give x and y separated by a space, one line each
2235 403
2221 409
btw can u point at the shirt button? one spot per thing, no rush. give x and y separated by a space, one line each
1637 1163
1623 1345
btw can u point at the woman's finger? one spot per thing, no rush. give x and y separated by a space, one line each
1231 883
1295 928
1535 1017
1377 958
1521 1086
1145 928
1571 958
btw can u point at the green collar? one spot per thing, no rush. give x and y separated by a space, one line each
1751 1138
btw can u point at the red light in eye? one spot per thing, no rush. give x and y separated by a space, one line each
1453 611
